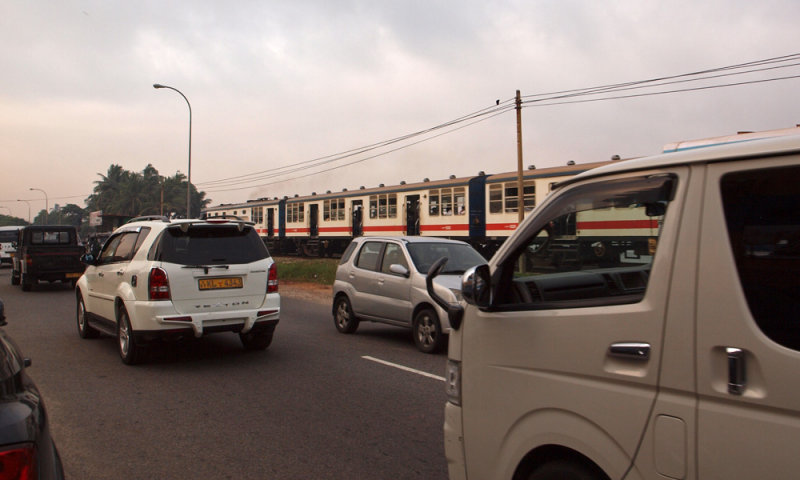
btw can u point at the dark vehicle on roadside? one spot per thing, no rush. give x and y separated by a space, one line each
48 253
27 450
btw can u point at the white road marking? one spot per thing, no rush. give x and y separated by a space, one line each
401 367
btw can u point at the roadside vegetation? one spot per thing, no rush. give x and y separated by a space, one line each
310 270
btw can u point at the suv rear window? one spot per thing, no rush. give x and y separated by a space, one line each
210 245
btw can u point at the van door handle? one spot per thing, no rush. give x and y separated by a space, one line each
630 350
737 378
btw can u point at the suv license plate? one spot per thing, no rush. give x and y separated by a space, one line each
219 283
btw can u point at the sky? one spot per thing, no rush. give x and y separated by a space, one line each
276 83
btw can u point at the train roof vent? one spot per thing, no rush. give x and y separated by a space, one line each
452 177
481 173
426 179
362 187
381 185
344 189
296 195
313 194
615 157
531 167
328 191
402 182
571 163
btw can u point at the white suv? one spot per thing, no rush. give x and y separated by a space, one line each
156 280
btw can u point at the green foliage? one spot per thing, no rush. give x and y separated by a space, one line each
124 193
7 221
316 270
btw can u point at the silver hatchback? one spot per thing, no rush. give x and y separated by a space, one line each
382 279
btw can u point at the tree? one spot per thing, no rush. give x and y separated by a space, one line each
123 193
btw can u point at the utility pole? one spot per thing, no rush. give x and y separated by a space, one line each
520 190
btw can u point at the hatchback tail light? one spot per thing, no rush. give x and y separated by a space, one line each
272 279
158 285
18 462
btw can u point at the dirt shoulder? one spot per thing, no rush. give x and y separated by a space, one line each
312 292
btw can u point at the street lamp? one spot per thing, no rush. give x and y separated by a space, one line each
46 203
29 209
189 174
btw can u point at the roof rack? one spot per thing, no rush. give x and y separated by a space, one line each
149 218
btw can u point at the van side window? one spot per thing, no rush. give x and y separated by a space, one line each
762 213
593 246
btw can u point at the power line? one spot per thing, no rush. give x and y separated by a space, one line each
537 100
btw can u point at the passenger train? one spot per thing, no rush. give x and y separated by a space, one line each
481 210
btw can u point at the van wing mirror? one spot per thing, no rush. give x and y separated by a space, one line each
455 312
475 286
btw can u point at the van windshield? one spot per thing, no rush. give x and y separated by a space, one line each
211 245
8 236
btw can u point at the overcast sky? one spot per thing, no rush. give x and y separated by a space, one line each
278 83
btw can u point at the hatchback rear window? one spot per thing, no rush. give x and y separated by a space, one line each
210 245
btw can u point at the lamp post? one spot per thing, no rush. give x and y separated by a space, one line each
189 173
29 209
46 203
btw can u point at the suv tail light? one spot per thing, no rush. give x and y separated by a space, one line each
272 279
158 285
19 462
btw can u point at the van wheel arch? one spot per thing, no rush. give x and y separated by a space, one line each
553 461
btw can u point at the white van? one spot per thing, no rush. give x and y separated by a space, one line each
8 235
642 323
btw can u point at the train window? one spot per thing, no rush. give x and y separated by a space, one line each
447 201
495 198
382 206
340 209
294 212
459 200
510 193
433 196
529 195
326 210
373 206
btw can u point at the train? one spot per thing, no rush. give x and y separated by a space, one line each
481 210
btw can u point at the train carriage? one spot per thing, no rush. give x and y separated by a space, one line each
481 210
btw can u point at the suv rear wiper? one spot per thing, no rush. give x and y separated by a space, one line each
206 268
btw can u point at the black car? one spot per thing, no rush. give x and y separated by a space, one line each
27 450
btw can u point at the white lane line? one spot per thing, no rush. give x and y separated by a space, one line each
401 367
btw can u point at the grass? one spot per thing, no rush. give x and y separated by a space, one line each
312 270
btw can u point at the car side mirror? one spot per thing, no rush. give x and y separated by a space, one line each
455 312
398 269
476 286
88 259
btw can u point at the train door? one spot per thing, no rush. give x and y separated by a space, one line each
313 219
358 218
270 222
412 215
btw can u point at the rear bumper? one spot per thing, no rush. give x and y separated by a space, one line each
144 337
161 317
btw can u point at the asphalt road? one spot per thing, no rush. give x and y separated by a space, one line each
311 406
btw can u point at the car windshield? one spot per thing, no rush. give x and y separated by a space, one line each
211 245
8 236
460 257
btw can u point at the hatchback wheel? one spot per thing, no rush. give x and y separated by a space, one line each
427 331
129 351
343 317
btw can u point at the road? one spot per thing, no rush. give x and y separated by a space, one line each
314 405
